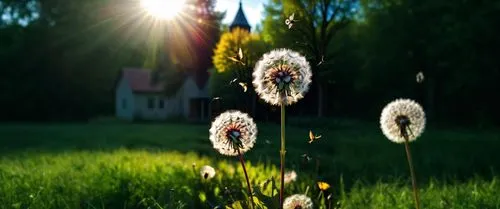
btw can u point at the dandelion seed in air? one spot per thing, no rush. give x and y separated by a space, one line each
207 172
233 130
243 86
290 21
238 57
232 81
420 77
313 137
282 76
306 157
298 201
322 61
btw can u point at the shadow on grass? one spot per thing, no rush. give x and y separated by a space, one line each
352 150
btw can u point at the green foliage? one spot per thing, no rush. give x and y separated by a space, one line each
375 56
273 29
226 70
394 40
229 44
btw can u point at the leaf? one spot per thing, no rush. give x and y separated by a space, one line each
268 200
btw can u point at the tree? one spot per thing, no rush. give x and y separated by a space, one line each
318 21
226 70
450 42
67 58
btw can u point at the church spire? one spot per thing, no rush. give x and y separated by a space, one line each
240 20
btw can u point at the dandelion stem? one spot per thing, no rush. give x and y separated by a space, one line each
412 172
282 155
246 177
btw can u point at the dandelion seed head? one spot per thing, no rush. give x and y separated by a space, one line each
207 172
298 201
402 116
290 176
282 76
233 130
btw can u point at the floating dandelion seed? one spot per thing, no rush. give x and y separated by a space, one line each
400 118
207 172
232 81
321 61
420 77
238 57
233 130
290 176
240 54
290 21
306 157
243 86
313 137
282 76
298 201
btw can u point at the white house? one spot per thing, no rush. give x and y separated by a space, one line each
138 98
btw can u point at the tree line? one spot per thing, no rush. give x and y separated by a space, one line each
59 60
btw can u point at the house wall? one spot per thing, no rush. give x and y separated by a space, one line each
124 101
136 104
190 91
144 111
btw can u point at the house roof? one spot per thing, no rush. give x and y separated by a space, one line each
240 20
140 80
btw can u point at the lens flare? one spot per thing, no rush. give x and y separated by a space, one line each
163 9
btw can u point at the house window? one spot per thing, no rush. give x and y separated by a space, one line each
151 103
124 103
161 104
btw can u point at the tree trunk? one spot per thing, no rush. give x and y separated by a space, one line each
320 100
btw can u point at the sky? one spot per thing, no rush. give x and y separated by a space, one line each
253 10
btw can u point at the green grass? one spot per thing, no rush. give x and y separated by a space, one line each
113 165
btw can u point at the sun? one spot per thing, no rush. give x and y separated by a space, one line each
163 9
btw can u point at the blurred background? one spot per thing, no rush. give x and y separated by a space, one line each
61 60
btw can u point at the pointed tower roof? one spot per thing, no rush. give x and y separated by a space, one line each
240 20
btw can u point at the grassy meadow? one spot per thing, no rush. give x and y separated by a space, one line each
122 165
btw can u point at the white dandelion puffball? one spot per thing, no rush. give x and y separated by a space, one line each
207 172
282 76
298 201
402 116
232 131
290 176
